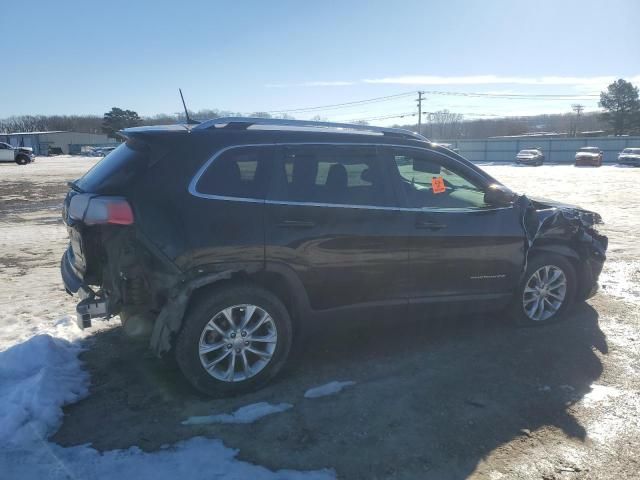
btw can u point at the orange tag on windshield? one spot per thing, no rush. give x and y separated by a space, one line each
437 183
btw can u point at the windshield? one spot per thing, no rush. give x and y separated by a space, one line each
590 150
635 151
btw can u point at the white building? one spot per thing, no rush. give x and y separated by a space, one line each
68 142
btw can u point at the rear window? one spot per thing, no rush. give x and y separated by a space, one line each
240 172
115 170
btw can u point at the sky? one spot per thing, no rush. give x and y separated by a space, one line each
85 56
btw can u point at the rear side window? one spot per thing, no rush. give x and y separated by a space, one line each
115 170
241 172
344 175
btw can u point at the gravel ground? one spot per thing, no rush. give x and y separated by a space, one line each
458 398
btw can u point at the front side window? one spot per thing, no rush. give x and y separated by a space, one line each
341 175
428 183
241 172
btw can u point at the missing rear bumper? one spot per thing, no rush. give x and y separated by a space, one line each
90 307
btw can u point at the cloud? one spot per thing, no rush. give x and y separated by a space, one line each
338 83
582 83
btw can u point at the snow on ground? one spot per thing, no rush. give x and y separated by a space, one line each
37 377
39 342
610 190
246 414
39 346
195 459
327 389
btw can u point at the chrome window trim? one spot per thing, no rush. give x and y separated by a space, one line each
196 178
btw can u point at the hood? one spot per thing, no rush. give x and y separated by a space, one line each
546 219
25 149
629 155
586 217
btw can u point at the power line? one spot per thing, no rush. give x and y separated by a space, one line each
345 104
505 96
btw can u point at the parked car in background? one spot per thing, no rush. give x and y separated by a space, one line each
230 238
99 151
533 157
588 157
629 156
20 155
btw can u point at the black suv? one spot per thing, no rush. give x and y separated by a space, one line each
227 238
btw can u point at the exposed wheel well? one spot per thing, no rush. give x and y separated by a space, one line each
582 269
271 281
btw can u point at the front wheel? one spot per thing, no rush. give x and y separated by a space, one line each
22 160
546 291
234 341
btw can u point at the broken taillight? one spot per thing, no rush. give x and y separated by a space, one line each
100 210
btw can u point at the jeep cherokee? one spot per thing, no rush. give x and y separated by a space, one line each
225 239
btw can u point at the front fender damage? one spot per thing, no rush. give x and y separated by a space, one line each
567 230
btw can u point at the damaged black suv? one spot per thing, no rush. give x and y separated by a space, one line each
225 240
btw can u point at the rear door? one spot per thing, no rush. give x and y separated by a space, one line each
331 217
458 245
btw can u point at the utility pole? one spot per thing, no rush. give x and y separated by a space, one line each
578 109
420 111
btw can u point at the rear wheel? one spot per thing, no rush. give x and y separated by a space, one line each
234 341
547 290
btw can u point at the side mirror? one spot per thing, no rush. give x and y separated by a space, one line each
499 196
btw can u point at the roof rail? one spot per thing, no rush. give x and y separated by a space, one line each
246 122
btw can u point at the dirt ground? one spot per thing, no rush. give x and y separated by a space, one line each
456 398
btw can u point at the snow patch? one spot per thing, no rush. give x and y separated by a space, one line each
246 414
326 389
598 394
194 459
37 378
621 280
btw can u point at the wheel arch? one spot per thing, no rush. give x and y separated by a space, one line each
581 268
277 279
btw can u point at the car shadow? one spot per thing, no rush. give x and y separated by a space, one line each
431 398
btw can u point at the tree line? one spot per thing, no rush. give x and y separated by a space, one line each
620 102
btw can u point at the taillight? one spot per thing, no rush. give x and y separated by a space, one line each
93 210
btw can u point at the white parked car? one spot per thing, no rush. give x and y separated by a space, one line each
533 156
20 155
629 156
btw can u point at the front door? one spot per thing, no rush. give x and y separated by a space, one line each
459 247
331 217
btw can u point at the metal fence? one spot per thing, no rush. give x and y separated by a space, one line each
556 150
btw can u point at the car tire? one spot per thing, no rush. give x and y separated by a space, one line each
556 295
247 360
22 159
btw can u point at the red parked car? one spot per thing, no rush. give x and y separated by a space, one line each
588 157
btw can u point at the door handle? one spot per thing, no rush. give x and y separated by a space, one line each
296 224
429 225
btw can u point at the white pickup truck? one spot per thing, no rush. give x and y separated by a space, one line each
20 155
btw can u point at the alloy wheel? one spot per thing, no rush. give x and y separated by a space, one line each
544 293
238 343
